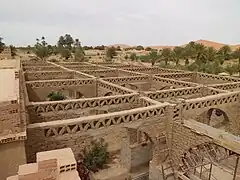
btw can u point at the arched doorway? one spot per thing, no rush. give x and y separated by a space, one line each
136 152
216 118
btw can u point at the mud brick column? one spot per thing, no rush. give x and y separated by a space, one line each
129 137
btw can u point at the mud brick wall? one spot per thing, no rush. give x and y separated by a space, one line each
183 139
9 118
37 142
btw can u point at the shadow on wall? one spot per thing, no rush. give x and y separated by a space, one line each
108 94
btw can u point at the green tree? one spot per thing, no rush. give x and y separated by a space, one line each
139 48
87 47
13 50
56 96
213 67
166 55
200 51
225 53
189 52
193 67
153 55
29 49
236 54
79 55
96 156
66 53
65 45
177 54
41 49
232 69
211 54
186 62
55 50
148 49
66 41
102 47
77 45
111 52
2 44
78 51
133 57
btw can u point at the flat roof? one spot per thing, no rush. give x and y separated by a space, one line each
10 64
9 86
27 169
64 156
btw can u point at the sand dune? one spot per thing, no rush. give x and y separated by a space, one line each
207 43
216 45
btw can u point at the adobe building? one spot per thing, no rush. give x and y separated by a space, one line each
12 123
160 124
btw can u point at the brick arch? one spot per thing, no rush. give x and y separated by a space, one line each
228 103
205 118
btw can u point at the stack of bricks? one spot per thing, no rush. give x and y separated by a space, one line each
51 165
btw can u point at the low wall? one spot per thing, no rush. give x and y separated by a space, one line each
66 109
78 133
37 142
39 90
48 75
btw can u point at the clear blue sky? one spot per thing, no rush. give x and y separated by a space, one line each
145 22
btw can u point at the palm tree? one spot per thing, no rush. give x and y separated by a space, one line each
236 54
1 44
211 54
200 51
133 57
192 44
189 52
177 54
166 55
77 43
225 53
153 54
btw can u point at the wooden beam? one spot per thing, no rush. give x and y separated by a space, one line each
235 170
182 177
210 172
